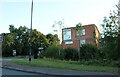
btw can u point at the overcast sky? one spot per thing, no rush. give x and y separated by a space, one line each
46 12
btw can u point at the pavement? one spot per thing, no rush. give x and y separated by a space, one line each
54 71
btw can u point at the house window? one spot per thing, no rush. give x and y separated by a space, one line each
69 42
80 32
67 34
83 32
82 42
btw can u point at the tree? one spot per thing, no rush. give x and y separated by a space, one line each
78 26
110 35
79 33
38 40
53 39
7 44
19 36
19 40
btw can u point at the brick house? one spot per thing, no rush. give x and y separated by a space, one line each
88 34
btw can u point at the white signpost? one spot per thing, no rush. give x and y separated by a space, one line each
14 52
40 48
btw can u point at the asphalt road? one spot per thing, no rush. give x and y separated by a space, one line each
14 73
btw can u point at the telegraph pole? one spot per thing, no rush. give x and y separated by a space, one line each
31 33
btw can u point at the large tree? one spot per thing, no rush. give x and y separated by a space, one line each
110 36
39 40
19 39
53 39
7 44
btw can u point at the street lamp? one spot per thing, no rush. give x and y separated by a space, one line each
31 33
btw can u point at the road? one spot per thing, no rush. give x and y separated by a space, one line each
14 73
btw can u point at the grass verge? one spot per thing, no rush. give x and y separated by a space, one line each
65 65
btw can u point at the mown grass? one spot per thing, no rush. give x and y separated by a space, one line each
66 65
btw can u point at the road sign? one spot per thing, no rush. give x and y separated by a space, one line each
40 48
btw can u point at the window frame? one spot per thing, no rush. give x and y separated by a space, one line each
80 32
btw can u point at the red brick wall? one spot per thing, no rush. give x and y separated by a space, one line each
88 34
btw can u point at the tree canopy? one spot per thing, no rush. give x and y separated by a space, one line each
111 36
19 39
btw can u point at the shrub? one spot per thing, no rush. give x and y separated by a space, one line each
53 52
89 51
71 53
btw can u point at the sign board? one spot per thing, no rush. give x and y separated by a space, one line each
14 52
40 48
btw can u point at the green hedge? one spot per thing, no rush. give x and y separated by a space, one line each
100 62
58 52
89 51
71 53
53 52
89 54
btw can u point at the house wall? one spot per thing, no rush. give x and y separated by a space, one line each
90 37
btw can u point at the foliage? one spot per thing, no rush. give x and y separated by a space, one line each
79 29
100 62
58 52
78 26
110 37
53 51
53 39
38 40
71 53
110 25
7 45
19 39
89 51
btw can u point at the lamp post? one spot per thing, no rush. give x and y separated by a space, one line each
30 50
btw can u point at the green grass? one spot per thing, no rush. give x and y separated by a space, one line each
65 65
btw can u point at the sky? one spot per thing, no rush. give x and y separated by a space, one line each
47 12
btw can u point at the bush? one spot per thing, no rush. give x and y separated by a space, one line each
71 53
89 51
53 52
57 52
7 51
99 62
